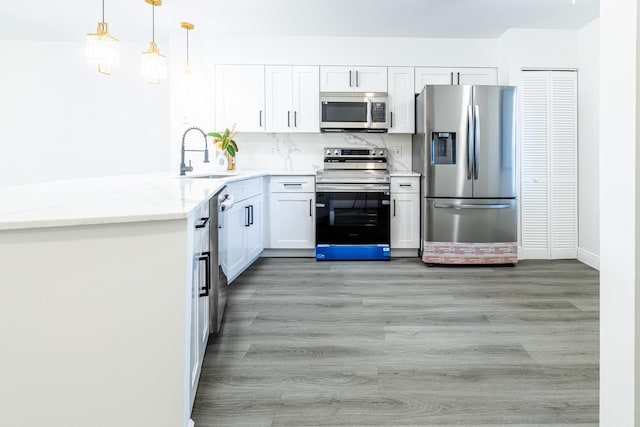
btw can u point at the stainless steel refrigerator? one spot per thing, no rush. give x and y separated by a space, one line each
464 149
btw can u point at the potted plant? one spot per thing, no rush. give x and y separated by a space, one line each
224 142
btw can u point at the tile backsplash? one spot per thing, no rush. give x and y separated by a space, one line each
292 152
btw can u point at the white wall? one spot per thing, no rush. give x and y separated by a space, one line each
521 48
589 144
619 298
534 49
60 118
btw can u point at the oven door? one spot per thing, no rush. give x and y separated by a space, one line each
352 214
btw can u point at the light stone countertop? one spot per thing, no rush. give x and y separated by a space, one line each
404 173
117 199
112 199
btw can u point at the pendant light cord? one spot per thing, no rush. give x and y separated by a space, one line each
153 23
102 10
187 45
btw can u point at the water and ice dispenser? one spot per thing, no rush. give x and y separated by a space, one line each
443 148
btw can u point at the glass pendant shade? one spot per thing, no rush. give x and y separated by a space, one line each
103 49
154 64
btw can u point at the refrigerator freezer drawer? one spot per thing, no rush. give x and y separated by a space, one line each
471 220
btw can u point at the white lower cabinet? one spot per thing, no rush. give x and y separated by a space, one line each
244 235
292 212
405 212
200 288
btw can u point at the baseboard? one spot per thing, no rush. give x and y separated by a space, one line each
589 258
524 253
289 253
404 253
311 253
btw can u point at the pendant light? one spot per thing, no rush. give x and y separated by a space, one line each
102 48
187 26
154 64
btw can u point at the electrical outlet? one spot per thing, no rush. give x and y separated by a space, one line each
397 151
273 149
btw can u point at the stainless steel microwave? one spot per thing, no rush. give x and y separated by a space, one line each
354 112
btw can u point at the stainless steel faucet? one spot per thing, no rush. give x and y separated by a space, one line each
184 168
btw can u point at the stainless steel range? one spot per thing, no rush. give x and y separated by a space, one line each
353 205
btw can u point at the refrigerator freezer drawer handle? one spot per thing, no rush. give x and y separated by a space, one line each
452 206
469 139
476 142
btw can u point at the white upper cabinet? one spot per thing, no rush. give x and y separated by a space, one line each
401 100
454 76
240 97
292 98
353 79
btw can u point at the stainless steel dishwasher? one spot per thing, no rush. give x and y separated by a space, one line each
218 205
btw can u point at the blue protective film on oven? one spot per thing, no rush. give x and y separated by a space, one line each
352 252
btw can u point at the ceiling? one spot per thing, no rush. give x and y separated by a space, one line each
130 20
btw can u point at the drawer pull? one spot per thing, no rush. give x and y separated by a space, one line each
203 223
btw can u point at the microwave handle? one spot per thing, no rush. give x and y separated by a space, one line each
369 113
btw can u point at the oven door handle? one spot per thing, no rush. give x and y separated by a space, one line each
352 188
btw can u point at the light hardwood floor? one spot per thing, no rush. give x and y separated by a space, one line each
307 343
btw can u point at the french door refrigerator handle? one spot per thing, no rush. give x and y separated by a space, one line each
469 139
476 141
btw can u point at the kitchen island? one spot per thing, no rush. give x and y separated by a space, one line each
95 300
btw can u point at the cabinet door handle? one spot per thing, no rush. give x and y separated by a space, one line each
458 78
349 78
451 77
310 212
394 207
405 185
357 84
288 119
251 214
295 119
293 184
391 115
203 223
260 118
246 216
204 291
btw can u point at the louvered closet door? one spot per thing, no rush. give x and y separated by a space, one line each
563 187
534 200
549 164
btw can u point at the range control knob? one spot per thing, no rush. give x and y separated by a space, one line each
373 152
328 152
380 153
336 152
